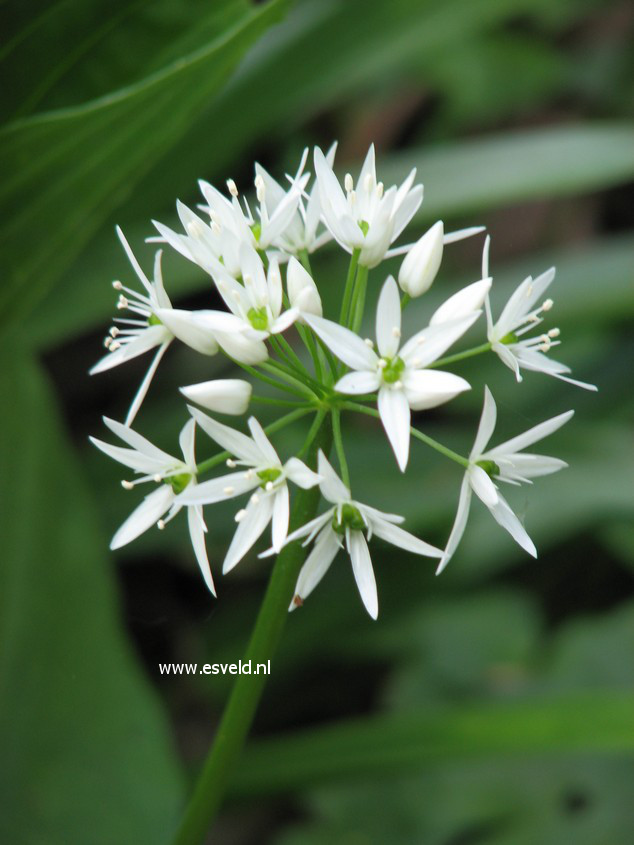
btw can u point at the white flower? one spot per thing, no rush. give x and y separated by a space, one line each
147 330
274 214
302 290
366 217
346 522
255 308
520 316
398 372
302 230
263 472
502 463
223 395
422 262
172 474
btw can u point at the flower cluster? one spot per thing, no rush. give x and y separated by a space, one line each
268 321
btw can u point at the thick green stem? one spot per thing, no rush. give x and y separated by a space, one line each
358 300
341 455
347 293
247 691
460 356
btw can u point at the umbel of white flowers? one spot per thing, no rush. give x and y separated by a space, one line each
266 317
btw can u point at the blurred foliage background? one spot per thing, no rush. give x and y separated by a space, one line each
492 706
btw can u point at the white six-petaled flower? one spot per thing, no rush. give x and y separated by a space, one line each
399 372
173 476
260 470
505 462
346 524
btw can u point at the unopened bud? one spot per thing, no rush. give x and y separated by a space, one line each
421 264
224 396
302 290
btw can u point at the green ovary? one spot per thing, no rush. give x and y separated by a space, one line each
490 467
179 482
153 320
393 370
350 518
268 475
509 338
258 318
364 226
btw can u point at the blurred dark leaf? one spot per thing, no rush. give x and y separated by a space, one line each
85 750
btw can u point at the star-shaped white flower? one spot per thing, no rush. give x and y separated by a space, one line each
134 336
346 524
367 217
505 462
398 371
261 471
173 476
520 316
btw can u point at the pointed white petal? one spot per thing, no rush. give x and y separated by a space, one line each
197 536
186 442
537 432
430 388
482 486
316 565
145 384
430 343
332 487
249 530
233 441
403 539
147 514
388 319
147 339
358 382
218 489
505 517
263 443
138 442
243 349
297 472
462 304
487 424
460 523
280 517
129 457
346 345
363 572
395 416
189 327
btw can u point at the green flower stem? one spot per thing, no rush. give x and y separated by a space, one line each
270 381
278 425
292 355
287 403
338 440
405 301
278 369
347 293
358 299
424 438
247 691
305 259
460 356
315 353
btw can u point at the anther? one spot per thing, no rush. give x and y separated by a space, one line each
382 364
228 490
398 384
396 332
369 342
231 185
249 474
268 486
122 302
240 515
415 362
127 485
544 338
230 463
348 183
117 285
107 341
158 477
554 333
367 182
379 190
260 193
114 331
160 524
114 346
255 499
547 304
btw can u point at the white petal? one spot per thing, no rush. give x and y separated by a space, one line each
224 396
388 319
358 382
403 539
197 536
243 349
138 442
346 345
233 441
186 442
215 490
302 290
460 523
306 530
297 472
537 432
395 416
280 517
430 343
482 486
249 530
145 384
462 304
263 443
332 487
430 388
147 514
129 457
363 572
147 339
316 565
505 517
190 328
422 262
525 466
487 424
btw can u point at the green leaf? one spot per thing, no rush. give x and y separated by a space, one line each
379 745
69 169
85 748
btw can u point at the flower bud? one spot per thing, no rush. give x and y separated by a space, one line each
421 263
225 396
302 290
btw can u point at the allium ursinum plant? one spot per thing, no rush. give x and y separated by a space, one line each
317 367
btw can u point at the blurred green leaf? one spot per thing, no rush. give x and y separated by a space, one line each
86 755
379 745
69 169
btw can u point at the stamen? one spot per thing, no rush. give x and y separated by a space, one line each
547 304
398 384
114 331
230 463
240 515
268 486
107 341
352 196
215 227
348 182
368 182
396 332
554 333
122 302
382 364
117 285
255 499
249 474
160 524
127 485
114 346
379 190
228 490
231 185
158 477
369 342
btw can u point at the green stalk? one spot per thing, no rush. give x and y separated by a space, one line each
278 369
341 455
347 293
247 691
424 438
358 300
270 381
460 356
